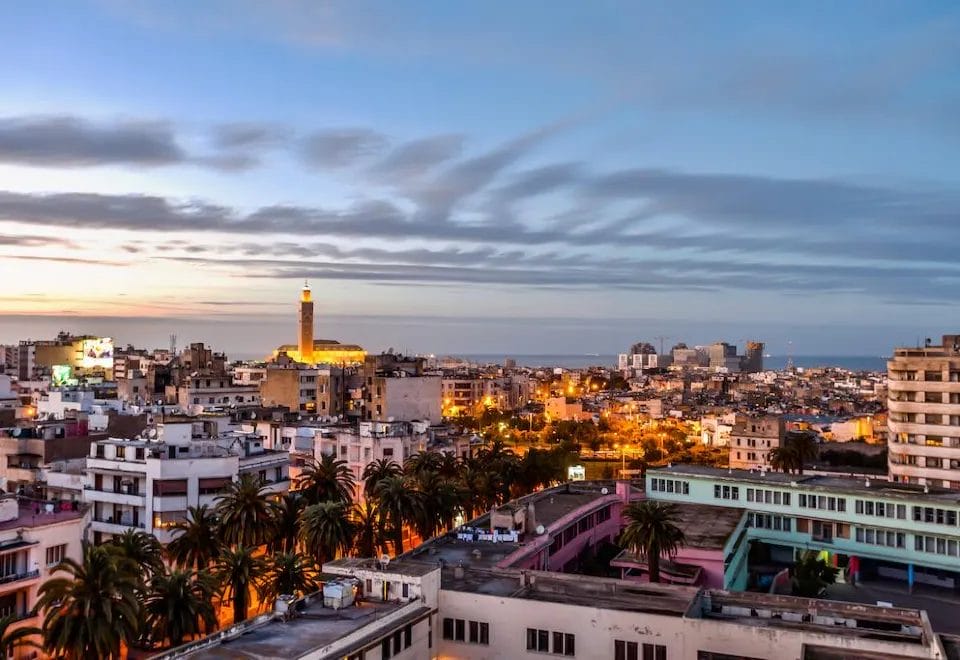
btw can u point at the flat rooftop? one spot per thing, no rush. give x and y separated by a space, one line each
312 629
34 514
452 552
706 526
832 483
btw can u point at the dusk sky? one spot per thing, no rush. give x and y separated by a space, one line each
491 177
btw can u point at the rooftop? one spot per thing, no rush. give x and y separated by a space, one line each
34 514
310 630
833 483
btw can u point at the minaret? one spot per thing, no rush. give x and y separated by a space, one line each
305 344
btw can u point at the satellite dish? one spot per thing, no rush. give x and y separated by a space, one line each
385 560
541 529
604 490
152 433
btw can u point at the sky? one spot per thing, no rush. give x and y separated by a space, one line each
496 177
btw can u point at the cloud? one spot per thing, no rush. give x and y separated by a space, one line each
71 142
249 135
338 148
34 241
413 159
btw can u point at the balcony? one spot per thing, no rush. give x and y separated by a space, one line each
131 498
19 577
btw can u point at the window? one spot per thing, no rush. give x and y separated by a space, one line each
654 652
447 628
625 650
459 630
55 554
538 640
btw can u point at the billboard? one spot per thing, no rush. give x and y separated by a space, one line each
61 374
97 352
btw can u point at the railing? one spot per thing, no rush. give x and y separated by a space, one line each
27 575
123 522
116 492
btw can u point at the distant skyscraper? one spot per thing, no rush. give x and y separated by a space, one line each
305 345
753 360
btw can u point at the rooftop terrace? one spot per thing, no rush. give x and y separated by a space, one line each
833 483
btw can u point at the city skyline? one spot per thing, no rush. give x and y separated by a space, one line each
458 179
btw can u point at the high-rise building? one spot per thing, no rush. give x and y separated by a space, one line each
305 344
752 362
924 417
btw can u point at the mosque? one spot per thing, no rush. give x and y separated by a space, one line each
317 351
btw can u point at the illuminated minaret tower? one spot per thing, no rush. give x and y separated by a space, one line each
305 344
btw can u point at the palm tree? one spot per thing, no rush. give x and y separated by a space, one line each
370 538
797 450
197 542
377 471
810 576
178 606
422 463
652 533
441 502
93 611
11 640
286 522
785 459
143 549
327 480
246 515
325 530
401 504
236 571
289 573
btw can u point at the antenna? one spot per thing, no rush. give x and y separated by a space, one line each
661 339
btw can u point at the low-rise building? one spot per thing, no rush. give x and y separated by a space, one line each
753 438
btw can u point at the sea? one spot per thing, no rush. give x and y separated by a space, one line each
771 362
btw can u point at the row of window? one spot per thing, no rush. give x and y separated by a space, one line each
930 514
539 640
882 537
822 502
670 486
623 650
936 545
764 496
726 492
55 554
880 509
456 629
768 521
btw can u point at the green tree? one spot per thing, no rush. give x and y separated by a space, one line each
93 610
401 504
143 549
196 543
327 480
370 534
325 530
246 514
289 573
12 639
377 471
236 572
652 533
179 607
810 576
286 522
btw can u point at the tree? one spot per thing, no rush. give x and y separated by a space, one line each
440 503
178 606
325 530
798 449
401 504
143 549
327 480
289 573
377 471
286 522
652 533
92 611
11 640
246 515
236 572
810 576
370 535
196 543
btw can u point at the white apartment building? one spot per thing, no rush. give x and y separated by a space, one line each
924 414
371 441
149 483
34 537
201 392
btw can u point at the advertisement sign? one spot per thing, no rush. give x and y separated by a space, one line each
61 374
97 352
